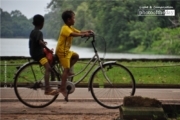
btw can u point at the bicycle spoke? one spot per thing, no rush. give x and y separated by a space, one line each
30 91
111 92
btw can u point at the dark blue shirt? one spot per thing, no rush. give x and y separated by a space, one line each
36 50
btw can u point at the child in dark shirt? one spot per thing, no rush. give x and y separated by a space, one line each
36 46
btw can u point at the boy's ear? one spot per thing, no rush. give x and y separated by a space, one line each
68 19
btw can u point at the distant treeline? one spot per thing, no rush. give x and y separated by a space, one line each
16 25
117 21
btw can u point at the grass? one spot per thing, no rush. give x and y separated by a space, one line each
155 72
144 72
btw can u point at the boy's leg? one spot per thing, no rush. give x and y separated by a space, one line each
65 62
47 67
63 82
46 75
74 59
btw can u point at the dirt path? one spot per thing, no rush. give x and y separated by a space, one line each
58 111
58 117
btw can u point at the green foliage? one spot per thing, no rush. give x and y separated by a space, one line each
117 21
168 42
14 25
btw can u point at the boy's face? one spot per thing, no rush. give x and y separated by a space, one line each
71 20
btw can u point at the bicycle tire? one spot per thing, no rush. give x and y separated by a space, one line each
29 88
111 96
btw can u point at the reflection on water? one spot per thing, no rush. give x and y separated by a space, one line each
19 47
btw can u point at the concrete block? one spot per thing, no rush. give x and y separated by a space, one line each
142 113
140 108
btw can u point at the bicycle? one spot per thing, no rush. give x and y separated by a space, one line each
108 83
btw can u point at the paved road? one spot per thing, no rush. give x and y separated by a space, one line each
81 102
164 95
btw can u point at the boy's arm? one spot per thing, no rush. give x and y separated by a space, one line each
87 31
43 44
75 34
82 33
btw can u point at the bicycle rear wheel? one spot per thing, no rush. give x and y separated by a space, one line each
29 85
110 93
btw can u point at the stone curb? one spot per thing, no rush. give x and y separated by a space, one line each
70 100
85 85
165 102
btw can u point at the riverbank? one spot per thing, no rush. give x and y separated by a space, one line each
19 47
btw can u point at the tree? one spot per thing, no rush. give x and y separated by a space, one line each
14 24
5 26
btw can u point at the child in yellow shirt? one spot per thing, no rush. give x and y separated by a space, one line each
68 58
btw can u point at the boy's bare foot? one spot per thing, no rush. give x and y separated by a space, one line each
51 92
64 93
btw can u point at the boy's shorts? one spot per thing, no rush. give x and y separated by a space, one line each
40 58
43 61
65 60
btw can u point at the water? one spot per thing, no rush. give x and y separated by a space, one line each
19 47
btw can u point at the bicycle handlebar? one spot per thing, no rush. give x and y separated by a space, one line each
93 40
91 35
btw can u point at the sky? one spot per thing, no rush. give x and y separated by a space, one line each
27 7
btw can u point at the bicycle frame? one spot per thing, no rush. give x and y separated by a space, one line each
97 59
92 66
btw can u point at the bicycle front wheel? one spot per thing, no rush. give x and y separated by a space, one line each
29 86
110 86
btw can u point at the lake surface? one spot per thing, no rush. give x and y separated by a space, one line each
19 47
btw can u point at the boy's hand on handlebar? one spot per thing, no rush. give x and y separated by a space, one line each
86 34
90 31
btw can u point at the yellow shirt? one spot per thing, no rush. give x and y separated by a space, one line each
65 40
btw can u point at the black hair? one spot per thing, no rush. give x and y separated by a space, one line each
38 20
67 14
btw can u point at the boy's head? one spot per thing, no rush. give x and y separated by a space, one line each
68 17
38 20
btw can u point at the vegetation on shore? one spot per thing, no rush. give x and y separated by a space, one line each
118 21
